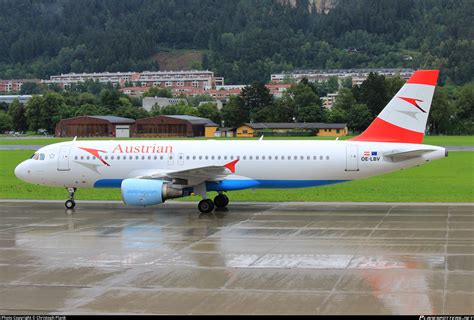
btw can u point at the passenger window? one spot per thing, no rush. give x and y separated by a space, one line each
155 157
295 157
118 157
269 157
200 157
75 158
289 157
225 157
231 157
256 157
112 158
314 157
131 157
212 157
161 157
218 157
194 157
320 157
187 157
88 158
149 157
327 157
276 157
245 157
250 157
206 157
136 157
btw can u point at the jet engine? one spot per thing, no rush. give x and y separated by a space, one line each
144 192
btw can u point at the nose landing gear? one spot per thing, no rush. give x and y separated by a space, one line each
70 204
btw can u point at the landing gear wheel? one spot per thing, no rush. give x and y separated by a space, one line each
221 201
70 204
206 205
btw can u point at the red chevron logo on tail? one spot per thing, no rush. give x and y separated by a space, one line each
413 102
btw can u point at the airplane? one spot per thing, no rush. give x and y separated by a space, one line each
151 172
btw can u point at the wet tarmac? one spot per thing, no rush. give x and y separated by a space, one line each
106 258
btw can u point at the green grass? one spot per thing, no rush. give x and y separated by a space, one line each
446 180
433 140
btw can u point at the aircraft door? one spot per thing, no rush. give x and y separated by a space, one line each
352 158
63 158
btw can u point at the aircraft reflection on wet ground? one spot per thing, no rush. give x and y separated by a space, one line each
255 258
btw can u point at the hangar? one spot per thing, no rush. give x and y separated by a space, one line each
172 126
94 126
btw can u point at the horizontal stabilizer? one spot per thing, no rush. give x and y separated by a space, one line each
405 155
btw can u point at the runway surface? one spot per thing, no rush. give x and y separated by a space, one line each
253 259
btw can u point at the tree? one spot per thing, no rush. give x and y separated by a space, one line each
110 99
5 122
373 93
44 112
158 92
253 99
129 111
442 113
359 117
233 114
16 111
337 115
209 111
91 110
344 100
181 108
30 88
465 109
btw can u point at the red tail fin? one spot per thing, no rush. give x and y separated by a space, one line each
405 116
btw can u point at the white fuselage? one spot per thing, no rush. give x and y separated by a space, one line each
261 164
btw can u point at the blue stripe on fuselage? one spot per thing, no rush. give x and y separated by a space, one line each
230 185
108 183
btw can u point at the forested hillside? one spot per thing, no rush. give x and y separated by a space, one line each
244 40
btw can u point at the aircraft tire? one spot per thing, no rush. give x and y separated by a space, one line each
206 205
221 201
70 204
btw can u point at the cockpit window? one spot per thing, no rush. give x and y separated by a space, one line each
38 156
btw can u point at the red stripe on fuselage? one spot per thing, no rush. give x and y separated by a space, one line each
383 131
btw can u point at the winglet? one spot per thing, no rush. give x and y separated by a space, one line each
231 165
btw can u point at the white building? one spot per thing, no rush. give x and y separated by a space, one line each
149 102
165 79
358 75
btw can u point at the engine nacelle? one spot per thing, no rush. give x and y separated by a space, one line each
144 192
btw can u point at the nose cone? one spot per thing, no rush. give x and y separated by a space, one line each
21 171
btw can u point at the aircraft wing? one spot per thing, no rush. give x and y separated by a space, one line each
193 176
405 155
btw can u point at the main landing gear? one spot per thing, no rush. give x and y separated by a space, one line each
70 204
207 205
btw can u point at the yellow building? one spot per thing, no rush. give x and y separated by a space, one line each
292 129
